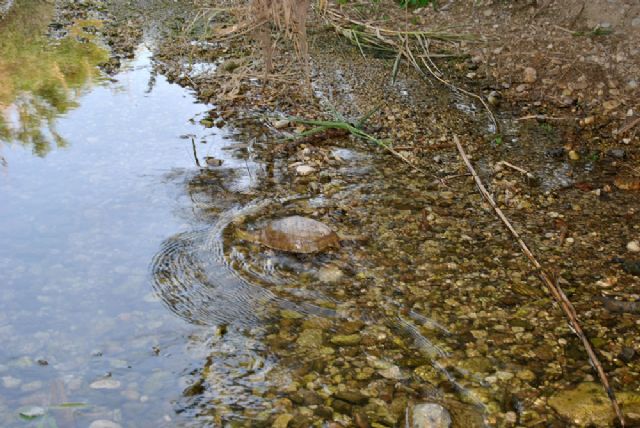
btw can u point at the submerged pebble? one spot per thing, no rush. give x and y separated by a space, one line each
105 384
104 423
430 415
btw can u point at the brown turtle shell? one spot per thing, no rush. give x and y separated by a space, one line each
298 234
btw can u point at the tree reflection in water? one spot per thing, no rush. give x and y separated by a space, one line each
41 79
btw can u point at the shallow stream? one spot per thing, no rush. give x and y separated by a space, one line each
128 297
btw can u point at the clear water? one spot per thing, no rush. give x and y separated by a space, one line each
78 230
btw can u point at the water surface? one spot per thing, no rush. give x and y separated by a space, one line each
79 226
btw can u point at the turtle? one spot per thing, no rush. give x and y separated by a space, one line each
295 234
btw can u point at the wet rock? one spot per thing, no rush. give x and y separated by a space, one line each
290 314
307 398
587 404
310 338
627 354
352 396
530 75
105 384
617 153
346 340
104 423
330 274
282 421
33 412
430 415
393 373
360 420
341 406
556 152
300 421
324 412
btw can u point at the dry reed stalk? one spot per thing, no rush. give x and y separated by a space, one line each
551 285
413 46
288 16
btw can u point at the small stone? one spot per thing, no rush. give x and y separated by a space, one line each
352 396
521 88
324 412
627 354
617 153
281 124
493 98
105 384
214 162
530 75
431 415
526 375
290 314
393 373
341 406
310 338
282 421
346 340
504 376
10 382
607 282
104 423
589 120
573 155
305 170
634 246
611 104
635 22
33 412
330 274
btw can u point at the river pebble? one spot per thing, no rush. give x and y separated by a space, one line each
634 246
104 423
431 415
10 382
105 384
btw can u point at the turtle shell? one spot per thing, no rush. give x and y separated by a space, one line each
298 234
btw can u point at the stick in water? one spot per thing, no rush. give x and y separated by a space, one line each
551 285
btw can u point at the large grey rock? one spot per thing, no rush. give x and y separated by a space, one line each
430 415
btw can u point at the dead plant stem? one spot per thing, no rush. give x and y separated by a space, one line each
551 285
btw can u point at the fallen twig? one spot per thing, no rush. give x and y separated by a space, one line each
629 126
551 285
517 168
541 117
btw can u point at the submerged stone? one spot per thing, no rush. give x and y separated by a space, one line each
430 415
587 404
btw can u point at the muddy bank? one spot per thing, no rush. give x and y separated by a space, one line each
435 249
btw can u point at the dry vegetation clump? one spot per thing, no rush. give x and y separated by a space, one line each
287 16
